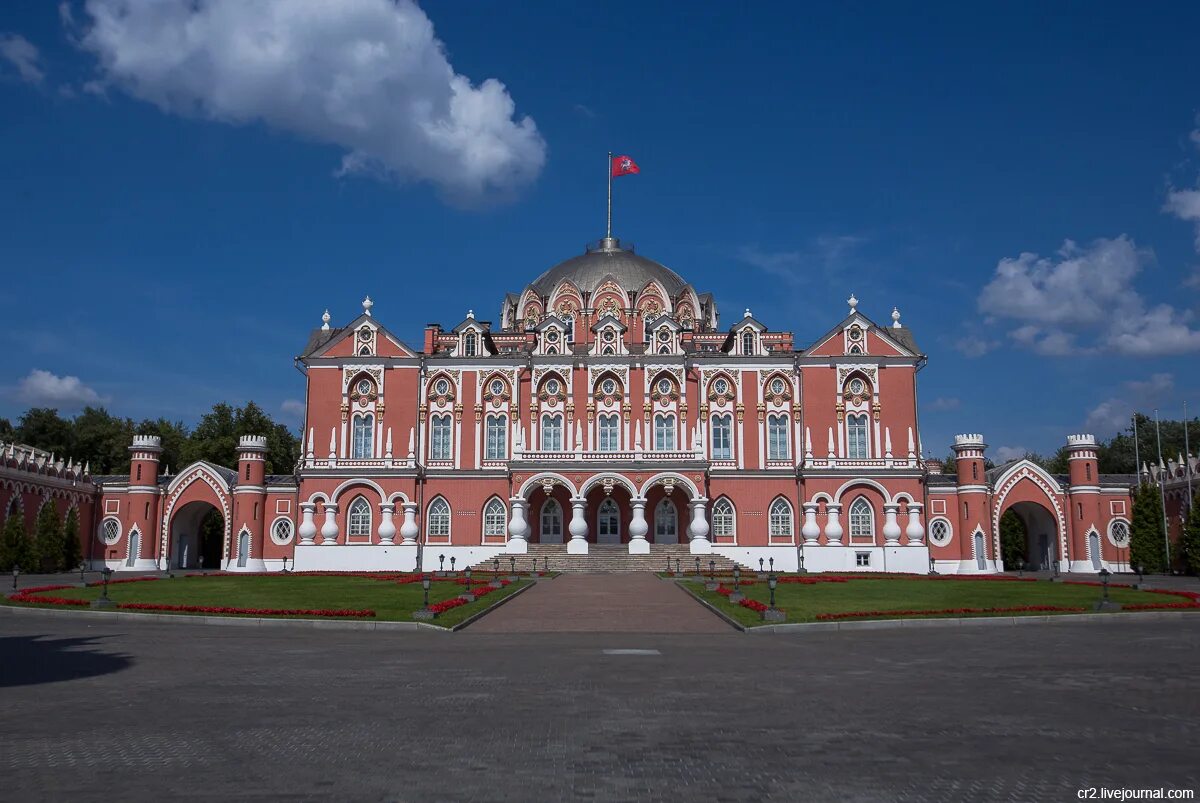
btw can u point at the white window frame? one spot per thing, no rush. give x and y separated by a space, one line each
724 522
858 448
747 342
1112 537
362 441
551 432
862 560
470 344
358 518
858 521
494 527
778 437
100 533
441 437
664 432
440 508
941 522
781 519
608 431
495 437
275 530
722 429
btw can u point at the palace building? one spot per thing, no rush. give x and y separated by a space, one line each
607 411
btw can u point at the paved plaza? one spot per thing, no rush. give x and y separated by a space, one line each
142 711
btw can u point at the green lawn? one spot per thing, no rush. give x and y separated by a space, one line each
802 603
391 602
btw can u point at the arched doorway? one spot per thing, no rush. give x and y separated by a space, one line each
1028 537
197 537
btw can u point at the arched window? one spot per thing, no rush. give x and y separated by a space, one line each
439 519
494 519
470 344
569 324
664 433
722 518
856 437
363 440
358 517
552 521
722 437
135 547
862 519
666 523
777 437
552 433
497 438
748 342
780 519
610 432
439 443
608 522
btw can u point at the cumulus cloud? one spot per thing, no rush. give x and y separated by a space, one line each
23 55
44 389
1006 453
1113 414
974 346
368 76
1083 299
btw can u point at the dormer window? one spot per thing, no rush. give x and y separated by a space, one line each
748 342
470 344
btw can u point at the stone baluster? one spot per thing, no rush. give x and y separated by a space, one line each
578 528
409 528
810 530
638 545
915 530
387 530
308 528
833 525
329 530
518 527
891 528
698 527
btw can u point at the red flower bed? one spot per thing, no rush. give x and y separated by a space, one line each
322 612
805 580
943 611
119 582
24 597
745 602
1153 606
447 604
39 589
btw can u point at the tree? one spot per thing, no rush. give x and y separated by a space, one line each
1189 542
215 438
72 548
174 437
15 548
48 538
44 428
1012 540
6 430
1146 530
103 440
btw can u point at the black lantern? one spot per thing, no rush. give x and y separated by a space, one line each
512 565
1104 573
932 567
760 564
676 565
1056 568
771 583
425 588
737 577
712 569
545 562
668 564
467 572
496 567
441 563
697 567
1140 570
107 573
452 563
772 562
16 572
285 563
82 566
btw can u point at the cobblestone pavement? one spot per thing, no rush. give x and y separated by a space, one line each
638 602
104 711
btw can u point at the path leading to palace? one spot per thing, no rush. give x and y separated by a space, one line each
639 602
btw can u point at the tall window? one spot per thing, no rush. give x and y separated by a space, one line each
497 436
494 519
552 521
610 432
359 517
780 519
440 442
361 445
666 523
664 433
777 437
439 518
470 344
856 441
552 433
608 521
722 437
747 342
722 518
861 519
569 325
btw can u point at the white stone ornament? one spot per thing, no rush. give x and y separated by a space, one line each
896 318
325 321
367 304
853 302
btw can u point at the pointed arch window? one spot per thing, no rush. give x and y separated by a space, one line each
747 342
552 433
777 437
722 518
780 519
496 439
495 516
610 432
862 519
666 523
439 442
358 518
363 439
664 433
470 344
552 521
439 518
856 437
722 437
608 522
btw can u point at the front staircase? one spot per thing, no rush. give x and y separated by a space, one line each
609 558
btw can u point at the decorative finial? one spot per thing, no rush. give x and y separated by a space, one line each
747 315
325 321
367 304
896 318
471 314
853 302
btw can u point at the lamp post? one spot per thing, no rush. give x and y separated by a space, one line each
802 570
737 595
1056 568
698 567
668 564
1105 604
676 565
425 589
773 614
16 573
442 564
771 561
285 568
495 573
760 565
104 601
546 562
468 595
452 564
711 585
424 612
82 566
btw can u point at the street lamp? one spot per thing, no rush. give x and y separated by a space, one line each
442 564
676 565
760 565
737 595
772 562
424 612
285 559
452 564
698 567
82 566
773 614
712 570
932 565
1105 604
512 565
425 588
467 572
104 601
771 583
1056 568
16 572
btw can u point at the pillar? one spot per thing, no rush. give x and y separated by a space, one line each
891 528
329 530
518 527
698 527
308 527
833 524
810 529
387 530
409 529
578 527
915 531
638 545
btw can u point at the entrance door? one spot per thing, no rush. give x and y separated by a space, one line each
1044 551
552 523
135 546
1094 549
666 523
980 553
608 523
243 549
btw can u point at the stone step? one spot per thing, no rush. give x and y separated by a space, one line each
609 558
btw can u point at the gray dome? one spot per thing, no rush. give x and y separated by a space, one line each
608 258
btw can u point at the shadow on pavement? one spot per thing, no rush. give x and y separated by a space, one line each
30 660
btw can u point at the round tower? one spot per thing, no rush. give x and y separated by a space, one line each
141 513
978 554
1085 514
249 506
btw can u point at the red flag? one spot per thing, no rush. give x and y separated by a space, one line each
623 166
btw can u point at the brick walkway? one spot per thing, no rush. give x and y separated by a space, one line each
602 603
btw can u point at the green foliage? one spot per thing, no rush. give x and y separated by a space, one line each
1190 542
6 430
1146 545
1012 540
48 539
72 548
15 545
46 429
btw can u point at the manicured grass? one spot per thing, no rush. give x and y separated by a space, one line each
391 601
802 603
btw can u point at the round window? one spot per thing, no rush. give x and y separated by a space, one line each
364 335
497 387
281 531
609 335
855 333
364 387
777 386
552 387
721 387
552 336
939 531
857 386
664 335
609 387
110 531
442 387
664 386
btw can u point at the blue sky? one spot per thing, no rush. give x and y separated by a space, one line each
176 211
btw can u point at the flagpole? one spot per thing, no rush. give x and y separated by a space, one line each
1162 494
608 230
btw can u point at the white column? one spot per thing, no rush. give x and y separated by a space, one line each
578 528
810 530
308 527
387 530
329 530
518 527
891 529
638 545
833 527
915 530
409 529
698 527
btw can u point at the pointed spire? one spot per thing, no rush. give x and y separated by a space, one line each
388 446
325 321
808 452
412 443
312 442
367 304
332 443
887 442
747 315
911 445
831 452
471 314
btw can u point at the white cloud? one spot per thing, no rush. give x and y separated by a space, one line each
1006 453
828 254
944 403
974 346
1113 414
23 55
293 410
366 75
1084 300
44 389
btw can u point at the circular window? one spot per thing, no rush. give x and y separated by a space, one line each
442 387
110 530
1118 533
552 336
552 387
664 386
777 386
281 531
855 333
609 335
497 387
721 387
364 335
609 387
364 387
857 386
664 335
939 531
